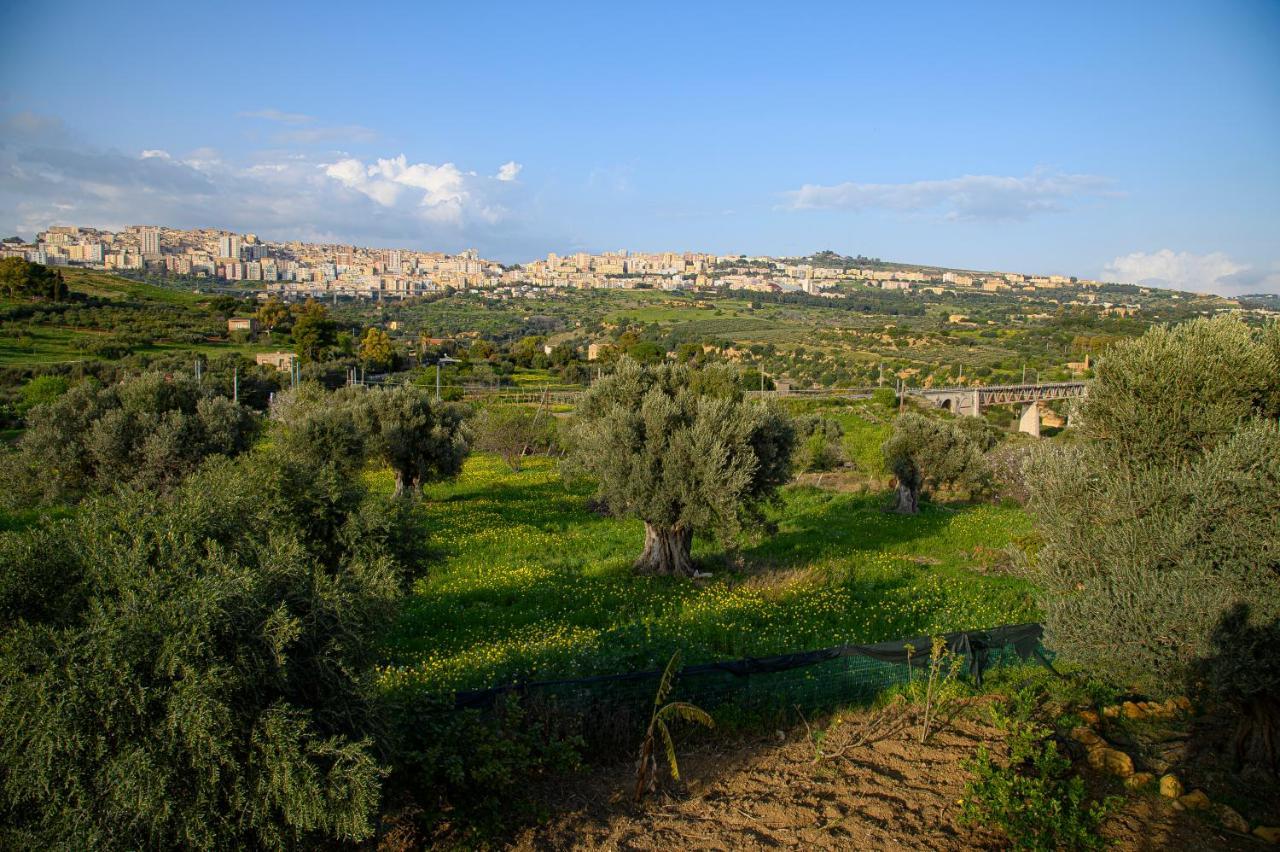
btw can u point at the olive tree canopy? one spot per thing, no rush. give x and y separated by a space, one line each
928 452
1161 528
683 451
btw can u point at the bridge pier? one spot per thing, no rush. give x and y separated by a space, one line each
1030 420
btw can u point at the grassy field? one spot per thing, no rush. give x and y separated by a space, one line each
526 582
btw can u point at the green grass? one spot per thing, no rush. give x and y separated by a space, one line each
527 583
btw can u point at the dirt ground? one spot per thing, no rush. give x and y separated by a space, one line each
879 788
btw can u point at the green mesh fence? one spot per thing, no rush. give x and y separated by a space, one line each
618 706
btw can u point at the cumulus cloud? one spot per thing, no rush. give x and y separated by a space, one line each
970 197
47 177
442 193
508 171
1202 273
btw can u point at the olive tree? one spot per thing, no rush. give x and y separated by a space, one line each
419 440
149 430
683 451
927 452
511 431
195 670
1163 523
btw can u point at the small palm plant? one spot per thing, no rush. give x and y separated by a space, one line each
647 767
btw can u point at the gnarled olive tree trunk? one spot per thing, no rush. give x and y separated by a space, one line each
666 552
907 501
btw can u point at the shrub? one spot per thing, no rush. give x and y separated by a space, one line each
1155 531
149 430
511 431
472 764
819 443
1032 798
197 671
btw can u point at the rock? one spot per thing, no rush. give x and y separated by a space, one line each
1111 760
1086 736
1196 800
1111 711
1138 780
1183 703
1269 833
1089 716
1131 710
1170 786
1231 819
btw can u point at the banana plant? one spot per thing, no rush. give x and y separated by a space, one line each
663 714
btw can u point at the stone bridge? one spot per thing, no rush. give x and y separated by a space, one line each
973 401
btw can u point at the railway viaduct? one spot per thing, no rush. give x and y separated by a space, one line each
973 401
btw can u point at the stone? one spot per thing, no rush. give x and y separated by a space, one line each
1111 760
1089 717
1269 833
1111 711
1196 800
1138 780
1131 710
1086 736
1183 703
1170 786
1231 819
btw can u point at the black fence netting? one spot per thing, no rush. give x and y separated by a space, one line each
757 687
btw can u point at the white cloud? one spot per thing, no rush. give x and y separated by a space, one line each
445 195
508 171
47 177
990 197
1202 273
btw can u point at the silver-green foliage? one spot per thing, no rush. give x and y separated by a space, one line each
149 430
1168 514
681 449
195 670
927 452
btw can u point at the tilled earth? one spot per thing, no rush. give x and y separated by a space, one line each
876 787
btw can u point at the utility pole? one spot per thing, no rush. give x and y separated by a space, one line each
235 384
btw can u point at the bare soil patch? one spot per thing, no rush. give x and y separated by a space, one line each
888 792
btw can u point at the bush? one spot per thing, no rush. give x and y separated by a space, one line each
195 670
885 397
511 431
150 430
1156 530
1033 798
472 765
819 444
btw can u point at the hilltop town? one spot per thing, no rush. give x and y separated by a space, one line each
297 269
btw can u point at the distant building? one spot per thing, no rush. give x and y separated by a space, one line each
282 361
150 241
248 324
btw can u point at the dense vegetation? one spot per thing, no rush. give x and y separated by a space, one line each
1162 525
235 622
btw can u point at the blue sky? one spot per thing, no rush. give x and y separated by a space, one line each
1133 141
